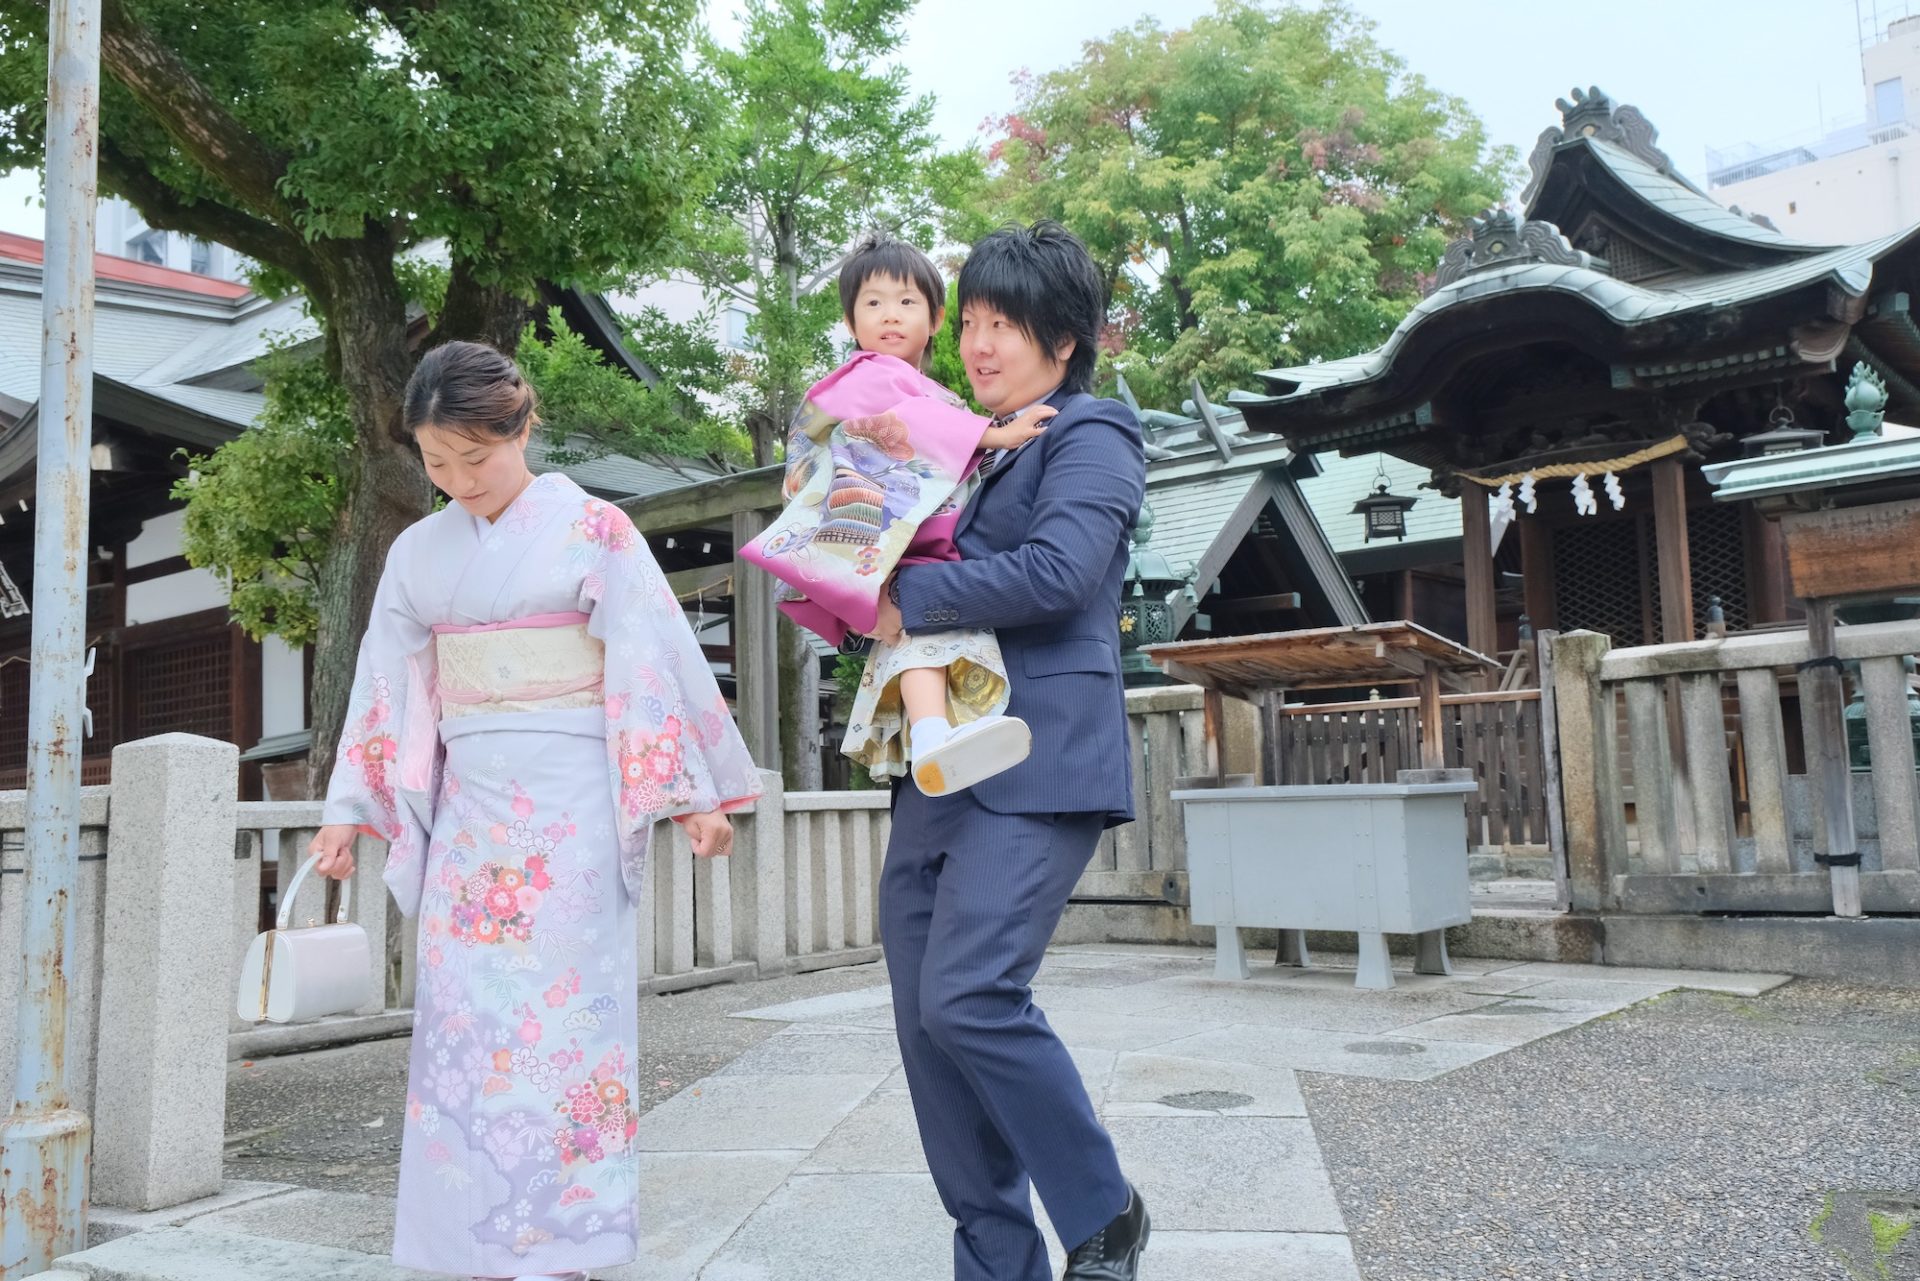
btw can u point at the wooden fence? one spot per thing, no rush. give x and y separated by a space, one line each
1496 735
1714 821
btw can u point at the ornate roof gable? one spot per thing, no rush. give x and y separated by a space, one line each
1501 238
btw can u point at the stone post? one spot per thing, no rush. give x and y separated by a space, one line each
160 1090
1589 769
758 881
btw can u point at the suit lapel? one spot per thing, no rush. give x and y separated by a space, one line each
1059 400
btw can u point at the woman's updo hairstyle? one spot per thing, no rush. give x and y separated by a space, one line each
471 390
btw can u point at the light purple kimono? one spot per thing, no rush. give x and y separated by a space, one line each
529 702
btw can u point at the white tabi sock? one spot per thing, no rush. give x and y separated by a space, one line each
928 733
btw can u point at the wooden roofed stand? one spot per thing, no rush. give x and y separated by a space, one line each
1373 858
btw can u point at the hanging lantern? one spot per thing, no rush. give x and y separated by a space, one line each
1384 512
1782 436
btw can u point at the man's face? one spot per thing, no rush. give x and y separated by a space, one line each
1008 370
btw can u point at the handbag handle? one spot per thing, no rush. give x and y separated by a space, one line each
285 919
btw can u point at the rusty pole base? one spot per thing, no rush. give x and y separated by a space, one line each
43 1189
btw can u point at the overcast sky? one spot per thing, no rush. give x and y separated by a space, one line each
1706 72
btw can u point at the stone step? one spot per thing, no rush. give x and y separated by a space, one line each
191 1254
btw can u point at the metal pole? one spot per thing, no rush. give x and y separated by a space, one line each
45 1142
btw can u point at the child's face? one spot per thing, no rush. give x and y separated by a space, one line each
891 316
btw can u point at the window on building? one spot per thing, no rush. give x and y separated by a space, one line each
1890 102
201 260
149 247
737 335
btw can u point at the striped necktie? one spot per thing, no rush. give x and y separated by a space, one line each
993 459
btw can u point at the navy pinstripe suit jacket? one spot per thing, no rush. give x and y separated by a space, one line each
1044 552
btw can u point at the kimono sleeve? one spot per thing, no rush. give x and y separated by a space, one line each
672 746
385 772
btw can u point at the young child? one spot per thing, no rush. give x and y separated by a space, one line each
880 465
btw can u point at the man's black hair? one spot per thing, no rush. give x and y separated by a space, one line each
1043 280
881 255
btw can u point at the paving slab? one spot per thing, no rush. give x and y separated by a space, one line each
1249 1256
1095 1065
826 1008
1705 980
1228 1173
1161 1085
1306 1007
1605 994
346 1220
790 1053
1378 1055
106 1223
1509 1023
1120 1032
829 1227
194 1254
878 1137
753 1113
692 1202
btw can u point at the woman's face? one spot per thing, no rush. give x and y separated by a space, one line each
1008 369
483 476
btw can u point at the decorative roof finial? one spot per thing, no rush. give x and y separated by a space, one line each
1592 114
1866 401
1501 237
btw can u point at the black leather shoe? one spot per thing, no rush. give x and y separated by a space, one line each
1113 1253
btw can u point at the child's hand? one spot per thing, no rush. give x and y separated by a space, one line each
1019 431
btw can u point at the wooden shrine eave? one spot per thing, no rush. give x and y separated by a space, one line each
1324 658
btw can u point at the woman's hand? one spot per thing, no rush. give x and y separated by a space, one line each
711 834
333 844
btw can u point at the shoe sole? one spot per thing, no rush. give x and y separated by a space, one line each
962 761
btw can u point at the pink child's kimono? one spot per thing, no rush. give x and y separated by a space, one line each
529 701
880 465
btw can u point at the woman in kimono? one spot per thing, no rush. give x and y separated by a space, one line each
529 701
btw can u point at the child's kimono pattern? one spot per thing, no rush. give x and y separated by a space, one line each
529 701
880 464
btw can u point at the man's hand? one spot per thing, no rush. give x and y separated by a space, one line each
711 834
888 626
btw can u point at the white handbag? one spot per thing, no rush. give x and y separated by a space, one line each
297 975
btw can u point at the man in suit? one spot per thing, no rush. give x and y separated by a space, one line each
976 881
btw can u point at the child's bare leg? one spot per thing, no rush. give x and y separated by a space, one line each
923 692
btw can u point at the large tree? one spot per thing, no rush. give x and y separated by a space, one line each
537 139
1266 186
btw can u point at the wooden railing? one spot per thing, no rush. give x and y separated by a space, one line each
1680 842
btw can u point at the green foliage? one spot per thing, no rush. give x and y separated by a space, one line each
588 407
816 143
945 366
1262 188
848 671
261 508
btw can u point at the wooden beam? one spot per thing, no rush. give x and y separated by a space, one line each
686 583
1766 569
1255 604
1476 559
1537 569
711 504
1670 550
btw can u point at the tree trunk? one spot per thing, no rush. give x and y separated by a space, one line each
800 764
387 489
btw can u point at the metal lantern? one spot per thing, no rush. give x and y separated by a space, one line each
1147 596
1385 512
1782 436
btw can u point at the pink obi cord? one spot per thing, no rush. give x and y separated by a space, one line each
522 693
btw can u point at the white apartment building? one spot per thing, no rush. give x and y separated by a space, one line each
1853 183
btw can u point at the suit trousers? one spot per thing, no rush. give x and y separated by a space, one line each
969 899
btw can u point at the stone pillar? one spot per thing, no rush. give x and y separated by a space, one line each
756 649
758 880
160 1090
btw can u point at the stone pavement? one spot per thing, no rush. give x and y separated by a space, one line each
798 1160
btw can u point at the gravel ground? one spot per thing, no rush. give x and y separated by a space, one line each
331 1119
1694 1136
